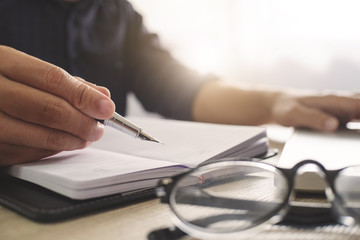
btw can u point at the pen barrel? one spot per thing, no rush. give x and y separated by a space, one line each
120 123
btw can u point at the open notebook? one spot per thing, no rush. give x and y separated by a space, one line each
119 163
333 150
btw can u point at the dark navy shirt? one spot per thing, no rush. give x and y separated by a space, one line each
104 42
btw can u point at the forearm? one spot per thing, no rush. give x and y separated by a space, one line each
220 102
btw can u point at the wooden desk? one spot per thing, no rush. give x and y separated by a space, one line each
134 222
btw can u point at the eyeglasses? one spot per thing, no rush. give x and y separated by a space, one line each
236 197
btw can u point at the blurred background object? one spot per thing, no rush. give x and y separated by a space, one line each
294 43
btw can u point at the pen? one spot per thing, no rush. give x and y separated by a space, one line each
122 124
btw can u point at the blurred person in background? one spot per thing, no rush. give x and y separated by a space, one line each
59 58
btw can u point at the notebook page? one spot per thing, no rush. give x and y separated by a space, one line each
118 159
90 168
187 143
333 150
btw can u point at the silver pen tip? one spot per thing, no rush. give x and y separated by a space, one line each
147 137
157 141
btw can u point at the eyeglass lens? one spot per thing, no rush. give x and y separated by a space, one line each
229 198
347 186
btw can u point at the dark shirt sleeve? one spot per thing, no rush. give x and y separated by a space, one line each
160 82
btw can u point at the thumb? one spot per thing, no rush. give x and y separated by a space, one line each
315 119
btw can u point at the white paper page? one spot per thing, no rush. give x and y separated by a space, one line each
333 150
81 194
188 143
88 168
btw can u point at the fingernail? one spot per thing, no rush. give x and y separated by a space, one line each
106 107
105 91
330 124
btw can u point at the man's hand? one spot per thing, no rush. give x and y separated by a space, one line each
238 104
44 110
322 112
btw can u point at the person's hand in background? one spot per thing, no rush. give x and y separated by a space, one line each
221 102
319 112
45 110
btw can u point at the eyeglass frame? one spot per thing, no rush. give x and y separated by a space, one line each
166 186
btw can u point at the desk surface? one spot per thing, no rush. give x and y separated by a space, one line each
136 221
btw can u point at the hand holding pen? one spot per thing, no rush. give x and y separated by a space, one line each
45 110
122 124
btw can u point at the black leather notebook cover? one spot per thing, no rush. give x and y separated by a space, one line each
42 205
